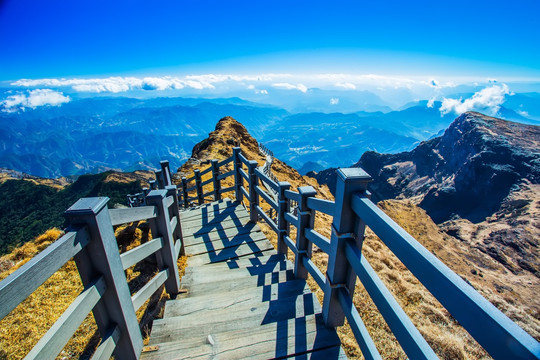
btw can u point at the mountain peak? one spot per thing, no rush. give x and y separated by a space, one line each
495 131
219 143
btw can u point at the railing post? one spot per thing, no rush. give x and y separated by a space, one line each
172 190
184 192
345 227
166 172
159 179
101 257
306 219
152 184
237 176
200 198
253 195
161 227
217 183
283 207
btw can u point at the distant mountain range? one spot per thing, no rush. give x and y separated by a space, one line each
98 134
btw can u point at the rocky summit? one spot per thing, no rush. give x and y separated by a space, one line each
479 181
467 172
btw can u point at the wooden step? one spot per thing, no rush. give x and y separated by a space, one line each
201 275
209 214
204 288
193 239
228 214
258 248
245 262
215 205
225 243
223 202
236 298
273 340
197 230
242 316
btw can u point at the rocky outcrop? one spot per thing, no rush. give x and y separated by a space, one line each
478 181
466 173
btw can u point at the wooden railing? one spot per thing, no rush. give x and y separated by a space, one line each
90 240
352 211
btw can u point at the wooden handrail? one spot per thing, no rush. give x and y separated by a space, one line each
129 215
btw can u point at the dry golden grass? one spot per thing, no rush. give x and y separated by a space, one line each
143 176
28 322
58 183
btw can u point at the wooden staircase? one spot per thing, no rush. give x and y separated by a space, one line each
242 299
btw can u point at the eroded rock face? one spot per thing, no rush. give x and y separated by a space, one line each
480 182
467 172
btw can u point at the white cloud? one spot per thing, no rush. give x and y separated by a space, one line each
117 84
163 83
334 101
346 85
33 99
431 102
523 113
263 92
299 87
487 100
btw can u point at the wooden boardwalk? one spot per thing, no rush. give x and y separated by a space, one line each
242 299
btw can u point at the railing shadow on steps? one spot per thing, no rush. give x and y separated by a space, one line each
90 240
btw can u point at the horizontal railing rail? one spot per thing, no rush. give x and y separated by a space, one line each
24 281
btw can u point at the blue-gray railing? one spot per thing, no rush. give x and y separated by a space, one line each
91 242
352 211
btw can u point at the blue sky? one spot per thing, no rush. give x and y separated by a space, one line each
52 39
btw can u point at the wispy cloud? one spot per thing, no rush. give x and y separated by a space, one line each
117 84
33 99
300 87
334 101
487 100
346 85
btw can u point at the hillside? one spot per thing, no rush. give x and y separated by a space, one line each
510 292
31 205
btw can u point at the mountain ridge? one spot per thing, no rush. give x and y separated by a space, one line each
479 181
